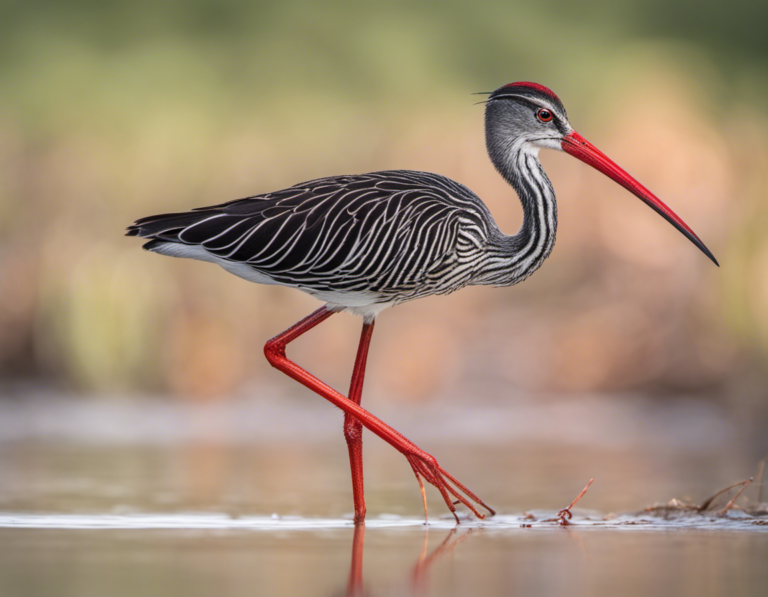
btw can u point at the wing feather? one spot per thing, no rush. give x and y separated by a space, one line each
385 232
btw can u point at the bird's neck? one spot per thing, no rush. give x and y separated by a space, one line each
511 259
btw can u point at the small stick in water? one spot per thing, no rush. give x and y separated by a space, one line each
744 485
708 502
564 515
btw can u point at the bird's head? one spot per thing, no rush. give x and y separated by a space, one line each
527 116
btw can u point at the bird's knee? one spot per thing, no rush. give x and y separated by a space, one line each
274 350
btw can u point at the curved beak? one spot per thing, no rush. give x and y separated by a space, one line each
577 146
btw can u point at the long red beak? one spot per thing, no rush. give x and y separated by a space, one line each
577 146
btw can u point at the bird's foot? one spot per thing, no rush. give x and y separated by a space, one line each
453 491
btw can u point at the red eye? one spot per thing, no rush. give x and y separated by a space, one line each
544 115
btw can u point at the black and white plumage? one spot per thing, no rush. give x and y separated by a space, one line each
366 242
369 241
362 242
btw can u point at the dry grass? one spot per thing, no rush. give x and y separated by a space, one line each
734 496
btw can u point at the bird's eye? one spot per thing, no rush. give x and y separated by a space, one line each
544 115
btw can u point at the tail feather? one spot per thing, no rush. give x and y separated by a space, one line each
166 226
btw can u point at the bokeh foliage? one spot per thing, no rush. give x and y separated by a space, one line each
110 111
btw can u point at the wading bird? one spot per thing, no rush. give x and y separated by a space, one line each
362 243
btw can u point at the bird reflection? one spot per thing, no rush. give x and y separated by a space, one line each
355 584
420 575
419 578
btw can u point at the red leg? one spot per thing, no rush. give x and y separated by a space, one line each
353 429
422 463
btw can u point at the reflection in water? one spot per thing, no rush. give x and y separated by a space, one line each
419 582
206 554
423 564
355 584
131 499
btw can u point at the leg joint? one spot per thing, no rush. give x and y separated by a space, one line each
353 432
274 350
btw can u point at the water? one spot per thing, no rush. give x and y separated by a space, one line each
151 498
198 555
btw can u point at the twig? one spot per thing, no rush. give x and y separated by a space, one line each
564 515
708 502
745 484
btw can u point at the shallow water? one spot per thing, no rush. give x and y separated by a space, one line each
150 498
199 556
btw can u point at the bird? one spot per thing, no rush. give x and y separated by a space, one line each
364 242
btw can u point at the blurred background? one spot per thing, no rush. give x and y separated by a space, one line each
131 382
112 111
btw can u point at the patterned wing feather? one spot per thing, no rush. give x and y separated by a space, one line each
394 233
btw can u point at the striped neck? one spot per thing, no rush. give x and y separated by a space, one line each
511 259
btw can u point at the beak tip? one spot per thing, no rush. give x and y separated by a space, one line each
708 253
700 245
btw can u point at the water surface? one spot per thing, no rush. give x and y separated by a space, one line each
123 499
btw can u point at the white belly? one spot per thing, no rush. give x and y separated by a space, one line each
360 303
